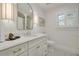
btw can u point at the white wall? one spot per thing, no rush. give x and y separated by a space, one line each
64 39
6 27
38 12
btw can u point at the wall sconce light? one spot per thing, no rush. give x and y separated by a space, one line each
35 18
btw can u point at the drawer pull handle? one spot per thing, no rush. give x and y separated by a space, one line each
38 46
17 50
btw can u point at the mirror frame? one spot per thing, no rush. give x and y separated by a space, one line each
25 25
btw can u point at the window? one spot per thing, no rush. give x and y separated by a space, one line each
61 20
68 18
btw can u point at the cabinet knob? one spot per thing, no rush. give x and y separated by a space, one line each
37 46
17 50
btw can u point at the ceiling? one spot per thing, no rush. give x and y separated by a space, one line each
46 6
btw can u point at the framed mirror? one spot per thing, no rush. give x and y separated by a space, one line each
24 16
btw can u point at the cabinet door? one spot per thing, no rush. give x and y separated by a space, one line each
38 47
39 50
35 51
44 46
45 50
32 52
6 53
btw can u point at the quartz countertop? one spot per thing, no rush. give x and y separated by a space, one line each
23 39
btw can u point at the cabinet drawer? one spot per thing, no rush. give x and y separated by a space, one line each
14 51
45 51
44 40
19 49
34 42
7 52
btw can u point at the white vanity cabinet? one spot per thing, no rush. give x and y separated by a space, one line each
35 46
